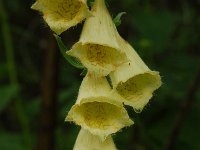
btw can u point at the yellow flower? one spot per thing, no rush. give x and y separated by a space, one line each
88 141
60 15
134 81
98 49
98 109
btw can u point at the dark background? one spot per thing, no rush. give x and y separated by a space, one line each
38 87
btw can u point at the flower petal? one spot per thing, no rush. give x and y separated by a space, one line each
60 15
95 107
134 81
98 48
88 141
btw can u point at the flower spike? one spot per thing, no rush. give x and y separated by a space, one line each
98 109
88 141
60 15
98 49
134 81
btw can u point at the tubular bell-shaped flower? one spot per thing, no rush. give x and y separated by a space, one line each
98 109
98 49
60 15
88 141
133 80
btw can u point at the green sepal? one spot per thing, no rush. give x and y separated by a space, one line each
117 20
72 60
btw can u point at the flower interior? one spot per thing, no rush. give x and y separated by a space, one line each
64 10
99 115
100 118
140 87
99 58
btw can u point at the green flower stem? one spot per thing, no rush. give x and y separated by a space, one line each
6 34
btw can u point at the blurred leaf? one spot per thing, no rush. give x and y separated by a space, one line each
73 61
188 132
69 138
67 98
7 93
156 27
10 141
3 70
32 108
117 20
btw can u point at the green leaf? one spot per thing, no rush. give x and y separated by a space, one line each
73 61
10 141
117 20
7 93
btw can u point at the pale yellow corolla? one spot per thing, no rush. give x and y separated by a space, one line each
60 15
133 80
98 49
88 141
98 108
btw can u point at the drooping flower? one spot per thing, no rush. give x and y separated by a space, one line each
88 141
60 15
133 80
98 49
98 109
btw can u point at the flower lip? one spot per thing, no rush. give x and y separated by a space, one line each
62 14
95 107
139 84
98 48
137 90
133 80
98 58
97 117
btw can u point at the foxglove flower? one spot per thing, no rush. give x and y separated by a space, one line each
98 109
133 80
88 141
60 15
98 49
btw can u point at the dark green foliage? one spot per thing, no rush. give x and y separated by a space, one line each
164 33
7 93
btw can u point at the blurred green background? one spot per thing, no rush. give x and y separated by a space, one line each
38 87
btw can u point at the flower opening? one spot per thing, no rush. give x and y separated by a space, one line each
134 81
98 49
95 107
62 14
